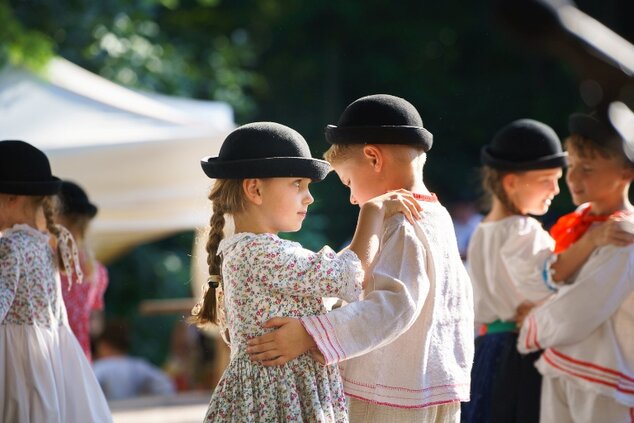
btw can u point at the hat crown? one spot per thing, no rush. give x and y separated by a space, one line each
380 110
75 200
261 140
21 162
525 140
590 126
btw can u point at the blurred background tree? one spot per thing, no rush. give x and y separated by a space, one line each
300 63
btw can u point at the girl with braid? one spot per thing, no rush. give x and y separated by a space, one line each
45 374
261 177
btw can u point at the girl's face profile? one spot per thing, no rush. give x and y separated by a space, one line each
285 203
533 191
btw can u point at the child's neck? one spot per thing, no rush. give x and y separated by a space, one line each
498 211
248 223
609 206
408 179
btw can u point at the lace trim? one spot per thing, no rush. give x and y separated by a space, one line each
69 255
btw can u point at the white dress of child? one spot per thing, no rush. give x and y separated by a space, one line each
44 372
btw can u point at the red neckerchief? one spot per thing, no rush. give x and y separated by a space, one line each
570 227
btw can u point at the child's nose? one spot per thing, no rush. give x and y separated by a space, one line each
309 198
352 199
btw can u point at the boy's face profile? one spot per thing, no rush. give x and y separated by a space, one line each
361 177
592 177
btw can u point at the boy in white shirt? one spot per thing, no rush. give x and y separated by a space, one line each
587 327
408 345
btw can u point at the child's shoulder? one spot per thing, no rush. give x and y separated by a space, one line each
20 232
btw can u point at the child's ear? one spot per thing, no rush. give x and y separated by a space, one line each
374 155
252 190
509 181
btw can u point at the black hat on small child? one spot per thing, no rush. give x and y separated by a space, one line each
524 144
75 201
25 170
380 119
264 150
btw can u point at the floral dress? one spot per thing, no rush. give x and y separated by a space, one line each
44 373
264 277
81 300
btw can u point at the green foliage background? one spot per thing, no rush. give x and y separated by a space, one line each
300 63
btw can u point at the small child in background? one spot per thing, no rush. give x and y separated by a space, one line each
262 178
121 375
587 327
512 265
45 375
407 347
81 300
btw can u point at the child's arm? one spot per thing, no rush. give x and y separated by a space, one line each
401 287
367 236
571 260
578 309
9 274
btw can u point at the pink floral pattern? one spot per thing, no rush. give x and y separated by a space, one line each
81 300
29 290
264 277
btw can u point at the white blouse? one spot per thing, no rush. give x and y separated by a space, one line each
507 260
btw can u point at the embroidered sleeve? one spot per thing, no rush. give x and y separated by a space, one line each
580 308
401 286
9 276
287 267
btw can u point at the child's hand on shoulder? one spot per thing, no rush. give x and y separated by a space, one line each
399 201
617 230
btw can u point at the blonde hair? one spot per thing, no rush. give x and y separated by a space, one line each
226 198
493 187
338 153
78 224
50 207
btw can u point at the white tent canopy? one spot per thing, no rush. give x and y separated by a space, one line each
136 154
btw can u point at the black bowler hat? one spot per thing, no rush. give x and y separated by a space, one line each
75 201
25 170
264 150
524 144
380 119
589 126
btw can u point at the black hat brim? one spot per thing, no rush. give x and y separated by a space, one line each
404 135
84 209
270 167
49 187
547 162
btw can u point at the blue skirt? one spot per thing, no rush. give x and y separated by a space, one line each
505 385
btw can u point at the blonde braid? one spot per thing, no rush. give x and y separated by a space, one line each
66 251
49 209
226 198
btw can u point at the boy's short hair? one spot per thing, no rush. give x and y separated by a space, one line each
338 153
589 148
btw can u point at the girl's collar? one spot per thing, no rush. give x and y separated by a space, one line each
26 228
